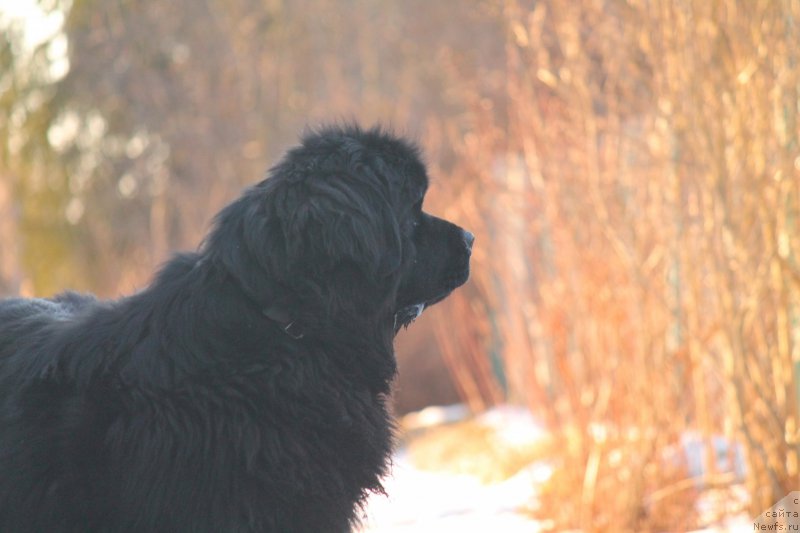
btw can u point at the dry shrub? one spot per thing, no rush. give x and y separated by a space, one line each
636 489
636 264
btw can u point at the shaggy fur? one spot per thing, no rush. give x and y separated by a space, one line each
246 388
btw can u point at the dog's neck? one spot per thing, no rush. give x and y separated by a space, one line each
347 332
298 317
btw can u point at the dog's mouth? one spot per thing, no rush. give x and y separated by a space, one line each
409 313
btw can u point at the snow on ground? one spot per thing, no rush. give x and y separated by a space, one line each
421 501
432 501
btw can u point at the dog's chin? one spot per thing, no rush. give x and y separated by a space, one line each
405 315
408 314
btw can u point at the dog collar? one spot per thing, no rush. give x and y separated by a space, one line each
289 326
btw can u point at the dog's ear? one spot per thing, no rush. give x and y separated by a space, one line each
335 223
248 240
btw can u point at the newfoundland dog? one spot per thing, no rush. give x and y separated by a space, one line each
246 388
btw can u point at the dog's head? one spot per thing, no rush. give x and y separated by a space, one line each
339 223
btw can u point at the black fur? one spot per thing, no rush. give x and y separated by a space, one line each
246 388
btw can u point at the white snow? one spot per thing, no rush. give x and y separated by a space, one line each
428 501
421 501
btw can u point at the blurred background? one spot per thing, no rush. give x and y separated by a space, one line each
626 356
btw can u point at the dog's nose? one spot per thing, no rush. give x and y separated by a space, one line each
469 238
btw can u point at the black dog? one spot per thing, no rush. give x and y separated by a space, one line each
245 389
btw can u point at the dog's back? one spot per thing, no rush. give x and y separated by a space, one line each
23 321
